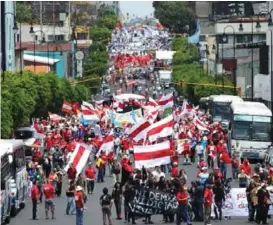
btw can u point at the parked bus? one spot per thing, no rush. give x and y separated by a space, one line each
204 104
14 180
251 128
219 107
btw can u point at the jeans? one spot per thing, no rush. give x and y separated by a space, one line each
79 216
118 207
217 209
90 186
100 174
199 211
223 169
34 209
182 214
251 211
207 214
234 173
70 206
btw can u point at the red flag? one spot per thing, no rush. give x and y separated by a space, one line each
75 107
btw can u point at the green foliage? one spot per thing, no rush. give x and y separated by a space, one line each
187 69
23 12
108 21
105 10
101 34
175 15
34 95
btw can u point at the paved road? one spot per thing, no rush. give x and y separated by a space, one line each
93 214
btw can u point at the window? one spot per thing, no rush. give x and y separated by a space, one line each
18 38
19 157
244 38
23 134
5 168
59 37
82 36
36 37
260 37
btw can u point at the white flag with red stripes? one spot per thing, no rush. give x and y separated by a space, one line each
67 107
79 157
89 114
160 129
107 145
54 117
151 102
152 155
166 101
139 130
200 125
88 105
150 114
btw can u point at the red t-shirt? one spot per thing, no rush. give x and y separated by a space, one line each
90 173
49 191
174 172
35 193
208 197
182 198
78 199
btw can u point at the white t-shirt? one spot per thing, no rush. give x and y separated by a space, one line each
157 175
199 149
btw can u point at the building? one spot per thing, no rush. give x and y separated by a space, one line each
8 31
113 5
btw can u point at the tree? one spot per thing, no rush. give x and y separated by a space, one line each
34 95
175 15
108 21
100 34
23 12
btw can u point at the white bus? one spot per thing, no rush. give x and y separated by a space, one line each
219 107
251 127
14 179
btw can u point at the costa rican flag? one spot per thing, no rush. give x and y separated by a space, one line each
54 117
79 157
199 124
152 155
89 114
166 101
67 107
107 145
163 128
139 131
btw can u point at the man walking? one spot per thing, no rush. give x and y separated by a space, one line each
208 194
49 192
35 195
79 202
90 174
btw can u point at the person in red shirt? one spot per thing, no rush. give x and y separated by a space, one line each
174 171
71 172
90 174
245 166
49 193
79 203
182 211
35 195
186 151
208 195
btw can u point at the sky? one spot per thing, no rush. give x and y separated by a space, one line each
139 8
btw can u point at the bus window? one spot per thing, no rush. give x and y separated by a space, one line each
20 161
5 170
23 134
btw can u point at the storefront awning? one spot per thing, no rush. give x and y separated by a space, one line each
40 59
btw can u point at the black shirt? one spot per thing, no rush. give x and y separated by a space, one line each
105 199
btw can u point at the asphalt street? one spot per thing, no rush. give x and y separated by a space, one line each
93 213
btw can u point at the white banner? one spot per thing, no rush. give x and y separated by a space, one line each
236 203
129 117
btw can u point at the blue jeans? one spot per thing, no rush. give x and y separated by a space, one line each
100 175
182 214
223 169
234 173
79 216
70 207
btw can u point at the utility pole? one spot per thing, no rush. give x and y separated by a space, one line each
41 15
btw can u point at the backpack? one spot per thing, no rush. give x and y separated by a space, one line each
106 199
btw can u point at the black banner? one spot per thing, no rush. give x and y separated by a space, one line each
152 201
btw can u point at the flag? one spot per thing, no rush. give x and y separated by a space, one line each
54 117
67 107
139 131
79 157
199 124
89 114
88 105
75 107
166 101
162 128
107 145
151 114
167 112
152 155
151 102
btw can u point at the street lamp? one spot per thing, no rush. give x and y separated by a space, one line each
258 26
32 32
225 39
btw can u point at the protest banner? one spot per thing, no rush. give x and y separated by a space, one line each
152 202
236 204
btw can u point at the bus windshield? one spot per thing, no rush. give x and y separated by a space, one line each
251 130
23 134
220 111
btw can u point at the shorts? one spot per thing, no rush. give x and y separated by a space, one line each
49 205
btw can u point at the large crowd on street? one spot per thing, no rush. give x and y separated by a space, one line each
187 131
